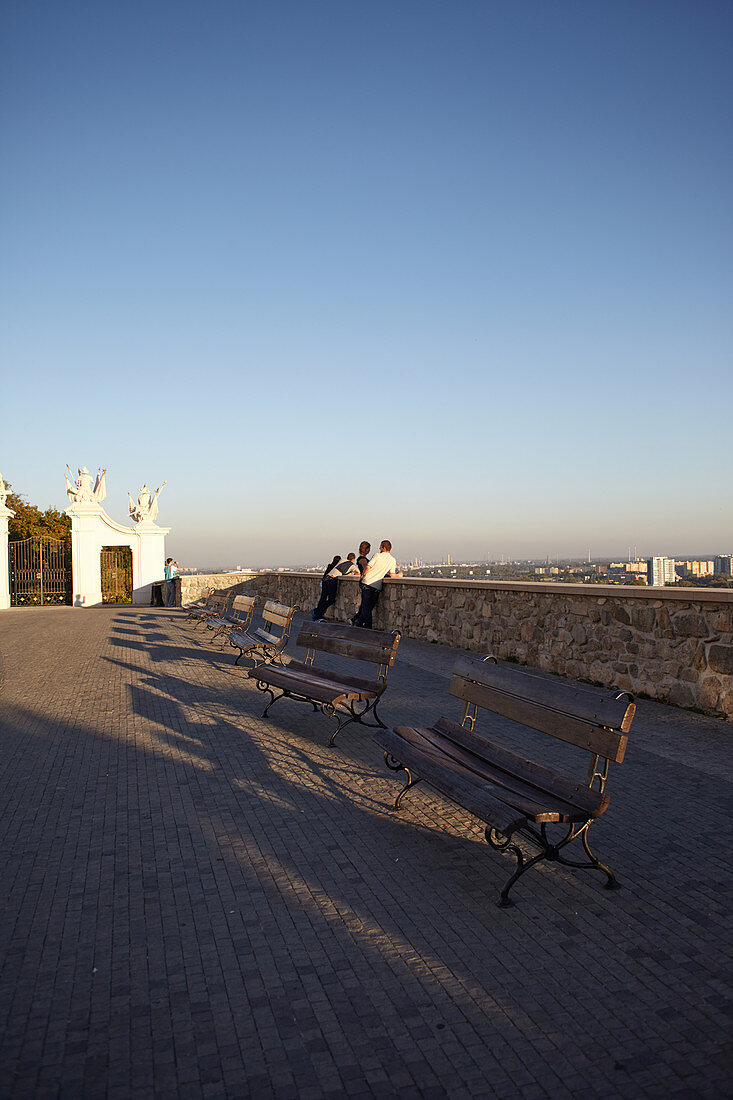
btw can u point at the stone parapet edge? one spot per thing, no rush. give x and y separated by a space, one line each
706 595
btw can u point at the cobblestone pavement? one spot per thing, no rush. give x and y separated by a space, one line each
202 903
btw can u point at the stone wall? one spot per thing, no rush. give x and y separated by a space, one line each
191 587
673 645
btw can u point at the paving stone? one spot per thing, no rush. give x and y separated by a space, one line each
199 902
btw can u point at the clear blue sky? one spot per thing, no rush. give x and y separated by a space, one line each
458 274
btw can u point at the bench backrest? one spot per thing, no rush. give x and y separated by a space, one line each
241 609
377 646
243 604
280 617
593 720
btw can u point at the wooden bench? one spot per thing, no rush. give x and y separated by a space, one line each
335 693
266 642
200 604
517 797
204 606
216 605
237 617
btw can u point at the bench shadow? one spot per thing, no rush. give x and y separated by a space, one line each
280 812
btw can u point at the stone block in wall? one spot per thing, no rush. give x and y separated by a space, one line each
720 659
679 694
600 673
643 619
720 620
725 702
700 660
663 627
690 624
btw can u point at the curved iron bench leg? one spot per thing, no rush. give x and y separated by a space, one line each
396 765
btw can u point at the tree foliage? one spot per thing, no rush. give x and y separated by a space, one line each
712 580
30 522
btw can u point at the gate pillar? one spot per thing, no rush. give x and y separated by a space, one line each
86 571
148 560
5 515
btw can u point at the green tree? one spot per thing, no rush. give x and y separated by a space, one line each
30 522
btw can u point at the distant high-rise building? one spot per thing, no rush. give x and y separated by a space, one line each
698 568
724 564
661 571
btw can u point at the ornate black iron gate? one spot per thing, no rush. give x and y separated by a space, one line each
116 563
39 572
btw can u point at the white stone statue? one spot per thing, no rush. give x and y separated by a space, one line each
3 492
146 509
81 490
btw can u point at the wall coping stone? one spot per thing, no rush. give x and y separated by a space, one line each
634 592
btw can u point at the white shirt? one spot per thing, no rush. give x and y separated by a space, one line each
379 566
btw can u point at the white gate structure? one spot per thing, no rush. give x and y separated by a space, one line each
92 528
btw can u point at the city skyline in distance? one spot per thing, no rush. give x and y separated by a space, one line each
447 560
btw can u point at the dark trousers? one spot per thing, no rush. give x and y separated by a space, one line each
329 588
369 597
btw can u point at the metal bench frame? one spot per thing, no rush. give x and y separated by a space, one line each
336 695
217 606
238 616
262 646
516 797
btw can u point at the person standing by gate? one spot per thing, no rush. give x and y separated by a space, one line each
171 568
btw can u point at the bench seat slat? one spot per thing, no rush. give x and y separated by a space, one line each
480 773
540 802
476 798
330 676
536 775
215 621
257 638
301 683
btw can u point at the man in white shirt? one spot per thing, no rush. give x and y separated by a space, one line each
381 565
